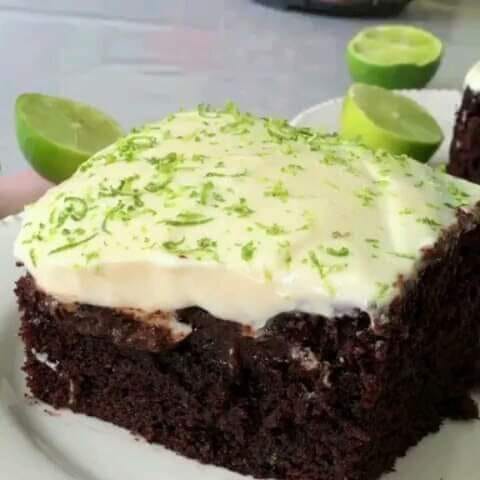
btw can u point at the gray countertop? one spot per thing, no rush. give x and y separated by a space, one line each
140 60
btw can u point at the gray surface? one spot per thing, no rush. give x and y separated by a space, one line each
140 60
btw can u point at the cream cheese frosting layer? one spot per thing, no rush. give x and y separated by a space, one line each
472 79
243 216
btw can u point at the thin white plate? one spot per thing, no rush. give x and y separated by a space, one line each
41 444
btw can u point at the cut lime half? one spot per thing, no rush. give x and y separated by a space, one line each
382 119
56 134
394 57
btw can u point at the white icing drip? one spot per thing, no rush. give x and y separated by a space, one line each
43 358
472 79
243 217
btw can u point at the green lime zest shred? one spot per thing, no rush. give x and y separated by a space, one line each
243 173
338 252
278 190
241 208
248 251
74 244
188 219
205 192
273 229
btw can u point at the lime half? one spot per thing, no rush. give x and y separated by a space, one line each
394 57
389 121
56 134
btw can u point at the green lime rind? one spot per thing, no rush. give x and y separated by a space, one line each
400 77
389 121
56 135
411 63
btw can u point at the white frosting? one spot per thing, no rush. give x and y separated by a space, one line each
241 216
472 79
43 358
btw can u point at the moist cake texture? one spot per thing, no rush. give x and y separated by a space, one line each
465 147
261 297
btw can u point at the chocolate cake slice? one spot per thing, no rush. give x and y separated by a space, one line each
256 296
465 147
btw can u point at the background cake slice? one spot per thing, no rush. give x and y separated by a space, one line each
265 298
465 147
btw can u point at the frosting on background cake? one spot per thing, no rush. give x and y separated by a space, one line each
472 79
242 216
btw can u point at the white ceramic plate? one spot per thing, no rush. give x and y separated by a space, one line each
37 443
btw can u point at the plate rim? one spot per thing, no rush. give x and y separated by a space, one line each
9 219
